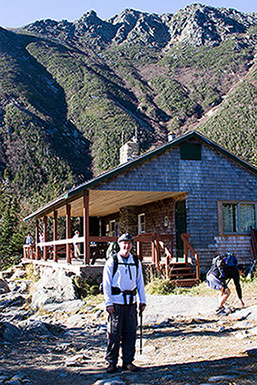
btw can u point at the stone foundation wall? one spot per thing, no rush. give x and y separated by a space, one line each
155 214
128 220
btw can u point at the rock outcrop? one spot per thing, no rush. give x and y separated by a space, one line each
4 288
196 25
54 287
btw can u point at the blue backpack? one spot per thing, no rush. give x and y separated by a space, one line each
224 263
230 260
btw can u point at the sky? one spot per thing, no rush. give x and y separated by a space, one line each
17 13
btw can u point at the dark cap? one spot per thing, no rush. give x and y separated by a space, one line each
125 237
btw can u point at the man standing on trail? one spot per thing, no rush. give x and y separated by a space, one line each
122 279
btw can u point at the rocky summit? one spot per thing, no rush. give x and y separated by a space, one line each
195 25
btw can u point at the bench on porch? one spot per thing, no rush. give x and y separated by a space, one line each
98 251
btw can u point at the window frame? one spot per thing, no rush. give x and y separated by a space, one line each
112 230
238 204
139 223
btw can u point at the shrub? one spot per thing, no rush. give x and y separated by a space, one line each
160 286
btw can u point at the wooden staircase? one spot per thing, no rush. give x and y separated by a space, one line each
182 275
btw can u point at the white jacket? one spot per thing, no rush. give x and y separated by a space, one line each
127 277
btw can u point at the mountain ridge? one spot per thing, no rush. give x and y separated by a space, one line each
72 92
215 22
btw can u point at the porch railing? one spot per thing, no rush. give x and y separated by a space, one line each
53 249
29 252
189 249
158 243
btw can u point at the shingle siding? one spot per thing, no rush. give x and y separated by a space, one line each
216 177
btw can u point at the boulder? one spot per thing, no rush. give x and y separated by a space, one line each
66 306
53 287
15 315
6 273
35 326
19 274
4 288
9 332
11 299
20 286
252 352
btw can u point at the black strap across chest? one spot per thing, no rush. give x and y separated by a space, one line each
116 262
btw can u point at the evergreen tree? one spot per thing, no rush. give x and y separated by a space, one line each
12 229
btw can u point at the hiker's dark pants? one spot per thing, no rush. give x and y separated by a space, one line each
122 328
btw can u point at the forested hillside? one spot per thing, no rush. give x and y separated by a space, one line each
72 92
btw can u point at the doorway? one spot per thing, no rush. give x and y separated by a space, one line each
181 227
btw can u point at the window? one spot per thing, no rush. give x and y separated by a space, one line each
191 151
238 217
112 228
141 223
230 220
117 228
247 217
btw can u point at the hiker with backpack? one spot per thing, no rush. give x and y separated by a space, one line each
122 282
224 267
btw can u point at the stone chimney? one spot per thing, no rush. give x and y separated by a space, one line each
171 136
129 150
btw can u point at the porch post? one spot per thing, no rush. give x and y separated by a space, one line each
37 239
157 253
167 267
153 253
55 235
68 232
86 227
45 238
139 250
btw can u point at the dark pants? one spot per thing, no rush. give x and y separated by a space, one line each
122 328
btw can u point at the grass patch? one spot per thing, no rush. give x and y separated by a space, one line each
159 286
30 273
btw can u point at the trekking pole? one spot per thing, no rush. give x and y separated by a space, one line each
110 328
141 329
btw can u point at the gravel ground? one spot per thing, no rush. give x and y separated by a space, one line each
161 307
184 343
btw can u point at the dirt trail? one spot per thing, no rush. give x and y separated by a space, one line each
182 349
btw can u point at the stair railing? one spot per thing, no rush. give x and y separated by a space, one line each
157 243
188 248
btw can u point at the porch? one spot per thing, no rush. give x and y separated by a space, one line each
184 273
153 248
